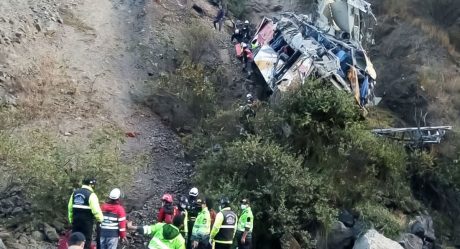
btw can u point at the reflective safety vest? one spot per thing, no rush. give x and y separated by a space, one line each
227 229
80 204
246 220
159 241
184 228
202 226
110 226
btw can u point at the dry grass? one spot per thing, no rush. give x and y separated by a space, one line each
73 21
403 9
45 90
444 86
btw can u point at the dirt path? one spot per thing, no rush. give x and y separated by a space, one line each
102 43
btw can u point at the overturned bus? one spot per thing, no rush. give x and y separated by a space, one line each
326 45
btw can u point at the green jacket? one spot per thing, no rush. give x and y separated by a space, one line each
165 236
202 226
246 221
93 205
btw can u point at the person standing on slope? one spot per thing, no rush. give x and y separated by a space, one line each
182 207
201 227
164 236
245 226
224 228
167 210
193 210
114 225
83 208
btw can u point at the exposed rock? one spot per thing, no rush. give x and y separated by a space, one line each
58 225
5 235
23 240
347 218
38 27
340 236
50 233
422 226
38 236
289 242
277 8
14 245
2 246
374 240
411 241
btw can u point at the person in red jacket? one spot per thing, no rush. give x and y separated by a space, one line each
113 227
168 210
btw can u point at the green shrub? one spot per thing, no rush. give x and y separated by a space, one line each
47 169
285 196
381 219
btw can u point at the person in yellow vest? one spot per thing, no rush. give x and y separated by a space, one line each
245 226
224 228
83 209
201 227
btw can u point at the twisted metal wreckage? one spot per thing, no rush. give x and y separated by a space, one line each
327 45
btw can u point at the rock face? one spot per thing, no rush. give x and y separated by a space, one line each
423 228
50 233
374 240
340 237
411 241
2 246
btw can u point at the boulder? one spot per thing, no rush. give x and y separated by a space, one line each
38 236
374 240
60 227
340 236
422 226
50 233
289 242
411 241
2 246
347 218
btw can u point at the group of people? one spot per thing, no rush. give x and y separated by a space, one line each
190 223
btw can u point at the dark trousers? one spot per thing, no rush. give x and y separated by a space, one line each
86 228
222 246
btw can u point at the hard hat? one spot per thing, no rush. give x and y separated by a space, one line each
224 201
183 200
237 31
193 192
115 194
89 181
249 96
167 198
246 22
244 45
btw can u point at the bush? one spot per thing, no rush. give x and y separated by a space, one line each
48 169
198 40
380 218
190 83
238 8
285 196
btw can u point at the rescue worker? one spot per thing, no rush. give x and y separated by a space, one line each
167 210
201 227
182 208
114 225
164 236
237 35
76 241
246 31
224 228
83 208
248 58
245 226
219 18
193 210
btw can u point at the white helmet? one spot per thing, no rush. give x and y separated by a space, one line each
193 192
244 45
115 194
249 96
237 31
246 22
